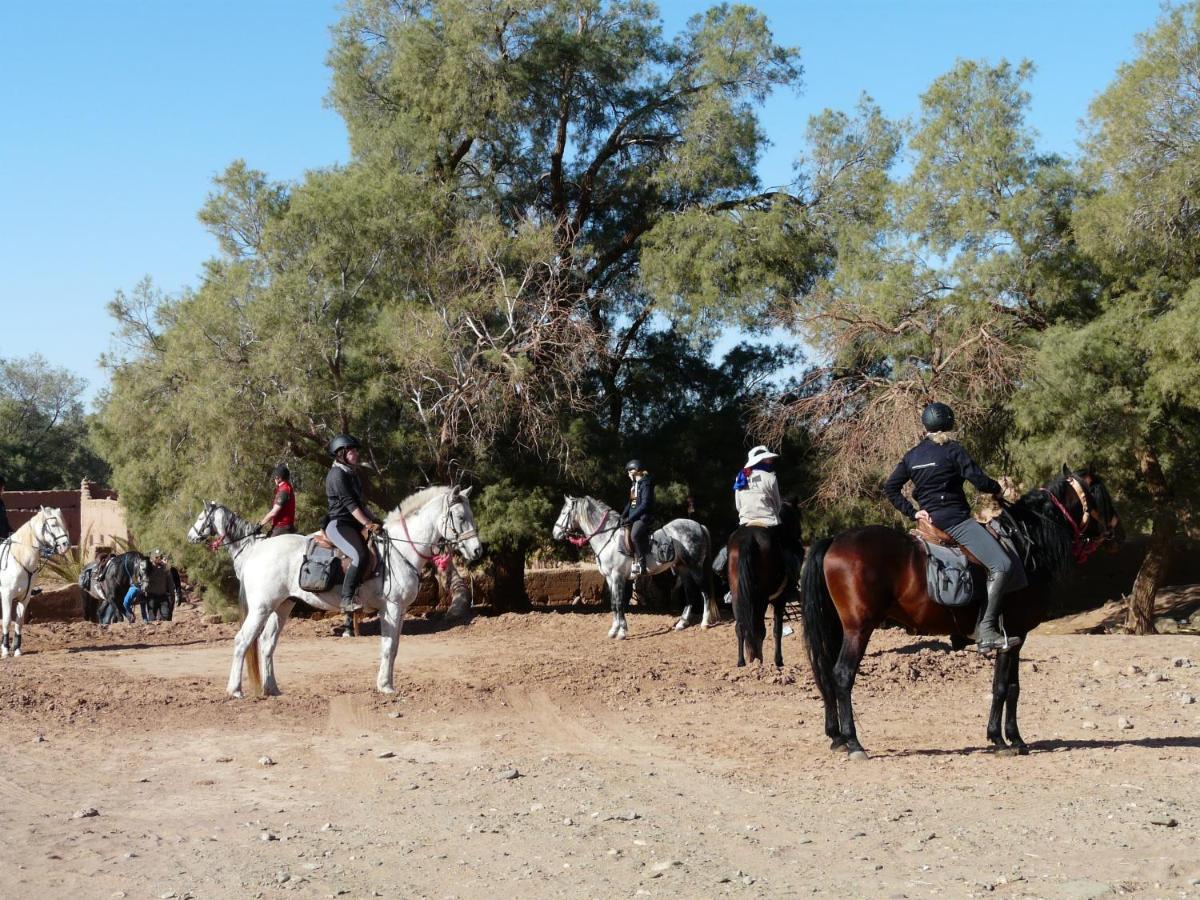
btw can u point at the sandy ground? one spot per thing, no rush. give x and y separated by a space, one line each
652 767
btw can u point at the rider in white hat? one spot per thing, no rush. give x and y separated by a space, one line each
756 489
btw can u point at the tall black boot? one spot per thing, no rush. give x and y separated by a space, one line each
350 588
989 637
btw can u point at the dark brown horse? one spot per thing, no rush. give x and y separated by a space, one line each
757 577
853 582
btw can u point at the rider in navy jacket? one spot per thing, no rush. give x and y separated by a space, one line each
639 512
938 467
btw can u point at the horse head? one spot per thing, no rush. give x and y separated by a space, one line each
205 526
565 522
52 533
1101 523
458 525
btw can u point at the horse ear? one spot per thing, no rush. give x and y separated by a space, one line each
1066 471
466 492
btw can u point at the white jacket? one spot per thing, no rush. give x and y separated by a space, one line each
759 502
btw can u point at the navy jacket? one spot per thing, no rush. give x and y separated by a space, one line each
641 501
937 472
5 528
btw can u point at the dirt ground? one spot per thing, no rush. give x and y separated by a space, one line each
530 756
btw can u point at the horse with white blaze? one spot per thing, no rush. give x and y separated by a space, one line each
431 522
21 556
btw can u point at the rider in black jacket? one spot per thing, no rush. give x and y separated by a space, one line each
937 467
348 513
639 512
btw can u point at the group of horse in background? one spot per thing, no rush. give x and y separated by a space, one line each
850 584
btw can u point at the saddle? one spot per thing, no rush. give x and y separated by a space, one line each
662 548
324 566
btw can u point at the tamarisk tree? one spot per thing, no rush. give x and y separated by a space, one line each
1124 390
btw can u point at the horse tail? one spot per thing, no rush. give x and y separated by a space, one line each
253 664
746 589
822 627
706 576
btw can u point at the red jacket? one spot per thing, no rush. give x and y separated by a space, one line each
285 499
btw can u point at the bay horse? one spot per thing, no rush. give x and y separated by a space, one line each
22 554
424 529
853 582
586 520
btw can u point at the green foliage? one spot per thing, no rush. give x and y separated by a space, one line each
1123 391
43 428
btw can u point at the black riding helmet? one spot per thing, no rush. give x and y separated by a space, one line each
281 471
937 417
634 465
342 442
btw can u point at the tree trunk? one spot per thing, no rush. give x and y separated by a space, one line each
1140 616
508 581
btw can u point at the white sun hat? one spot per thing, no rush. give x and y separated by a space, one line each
758 454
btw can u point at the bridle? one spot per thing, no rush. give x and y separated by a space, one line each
1082 546
575 535
209 524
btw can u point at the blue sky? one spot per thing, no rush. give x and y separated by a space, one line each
118 114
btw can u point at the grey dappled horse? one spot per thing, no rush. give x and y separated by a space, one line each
588 520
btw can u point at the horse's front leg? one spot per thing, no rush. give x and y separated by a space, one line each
268 641
616 585
999 693
1012 695
18 621
625 592
5 618
391 620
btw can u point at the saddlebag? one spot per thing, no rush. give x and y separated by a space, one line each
321 570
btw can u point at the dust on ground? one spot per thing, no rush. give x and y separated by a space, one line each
531 756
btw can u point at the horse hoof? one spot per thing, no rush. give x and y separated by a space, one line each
387 689
16 653
837 745
622 634
859 755
1005 751
236 695
680 625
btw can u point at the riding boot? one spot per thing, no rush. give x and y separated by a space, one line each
989 637
639 565
349 588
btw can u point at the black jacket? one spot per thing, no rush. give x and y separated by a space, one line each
937 472
5 528
343 490
641 501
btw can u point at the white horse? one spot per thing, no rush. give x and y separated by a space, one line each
425 528
21 556
587 520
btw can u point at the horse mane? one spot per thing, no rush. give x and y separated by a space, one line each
239 528
411 505
1049 534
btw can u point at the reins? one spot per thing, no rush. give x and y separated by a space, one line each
579 540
